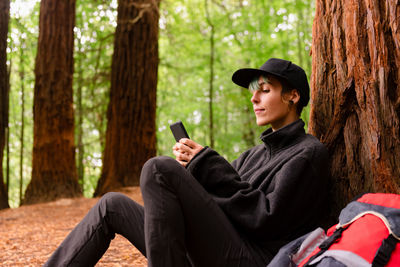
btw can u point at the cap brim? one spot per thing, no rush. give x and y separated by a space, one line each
243 77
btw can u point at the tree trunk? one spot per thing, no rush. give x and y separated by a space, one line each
4 88
22 133
53 164
211 81
79 135
131 133
356 94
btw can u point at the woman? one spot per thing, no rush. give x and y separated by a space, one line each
200 210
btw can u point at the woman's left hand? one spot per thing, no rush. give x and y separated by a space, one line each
185 150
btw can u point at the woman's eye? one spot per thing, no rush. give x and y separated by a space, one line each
265 90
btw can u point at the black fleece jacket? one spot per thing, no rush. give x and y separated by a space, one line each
273 192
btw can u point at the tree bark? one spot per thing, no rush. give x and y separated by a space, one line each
356 94
53 162
131 129
4 89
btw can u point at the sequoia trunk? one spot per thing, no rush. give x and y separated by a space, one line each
131 133
4 88
356 94
53 164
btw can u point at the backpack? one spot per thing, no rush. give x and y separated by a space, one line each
368 234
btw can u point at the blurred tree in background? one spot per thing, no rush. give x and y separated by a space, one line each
201 43
4 95
53 159
131 128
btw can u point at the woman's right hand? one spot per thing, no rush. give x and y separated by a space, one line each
185 150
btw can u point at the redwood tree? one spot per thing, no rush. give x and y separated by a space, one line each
53 164
131 133
356 94
4 18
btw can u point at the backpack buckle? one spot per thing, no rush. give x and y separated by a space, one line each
332 239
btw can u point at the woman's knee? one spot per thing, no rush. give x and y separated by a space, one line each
163 165
112 201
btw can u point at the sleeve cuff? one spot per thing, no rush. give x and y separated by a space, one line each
192 164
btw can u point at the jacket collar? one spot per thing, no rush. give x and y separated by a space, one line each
283 137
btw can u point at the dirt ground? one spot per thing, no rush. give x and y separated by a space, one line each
29 234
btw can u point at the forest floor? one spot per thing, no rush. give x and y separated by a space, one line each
29 234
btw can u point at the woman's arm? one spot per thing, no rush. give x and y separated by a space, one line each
292 199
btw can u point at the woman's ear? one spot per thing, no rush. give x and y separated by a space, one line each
294 96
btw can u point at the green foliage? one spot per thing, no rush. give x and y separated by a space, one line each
246 33
94 32
22 44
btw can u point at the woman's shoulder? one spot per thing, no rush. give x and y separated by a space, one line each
312 144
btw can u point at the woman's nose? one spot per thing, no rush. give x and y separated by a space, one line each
254 98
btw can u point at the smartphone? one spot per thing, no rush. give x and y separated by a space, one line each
178 130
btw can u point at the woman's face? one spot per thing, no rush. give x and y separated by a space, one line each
269 105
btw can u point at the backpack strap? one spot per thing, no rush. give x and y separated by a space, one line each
384 252
327 243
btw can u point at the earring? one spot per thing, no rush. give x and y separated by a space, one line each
291 102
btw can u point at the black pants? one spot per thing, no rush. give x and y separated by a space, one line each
179 220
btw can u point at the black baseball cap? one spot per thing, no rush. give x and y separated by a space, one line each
294 75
